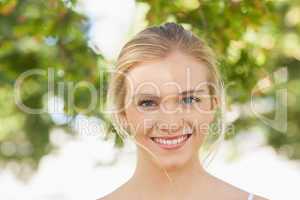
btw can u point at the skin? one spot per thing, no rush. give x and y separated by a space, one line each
170 174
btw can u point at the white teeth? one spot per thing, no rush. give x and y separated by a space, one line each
187 130
170 141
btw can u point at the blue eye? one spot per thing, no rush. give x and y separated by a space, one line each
147 103
189 100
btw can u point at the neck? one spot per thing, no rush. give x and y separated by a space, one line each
151 178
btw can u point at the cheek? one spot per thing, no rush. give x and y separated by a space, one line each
200 122
139 123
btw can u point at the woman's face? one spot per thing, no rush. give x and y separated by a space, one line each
164 113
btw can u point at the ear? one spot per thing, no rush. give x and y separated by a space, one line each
215 104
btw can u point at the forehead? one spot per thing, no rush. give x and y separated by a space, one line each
171 75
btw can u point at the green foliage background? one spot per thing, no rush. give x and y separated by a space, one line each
252 38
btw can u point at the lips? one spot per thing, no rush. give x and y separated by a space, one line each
172 142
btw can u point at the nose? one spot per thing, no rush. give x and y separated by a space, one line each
169 123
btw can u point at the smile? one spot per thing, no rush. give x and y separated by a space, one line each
173 142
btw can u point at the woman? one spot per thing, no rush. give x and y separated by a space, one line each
165 95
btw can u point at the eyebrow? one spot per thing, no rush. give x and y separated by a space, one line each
192 91
181 93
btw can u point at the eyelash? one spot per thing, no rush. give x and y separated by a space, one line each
144 101
196 99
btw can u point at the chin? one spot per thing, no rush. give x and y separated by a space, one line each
174 163
173 152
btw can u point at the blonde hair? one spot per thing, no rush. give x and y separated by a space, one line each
157 42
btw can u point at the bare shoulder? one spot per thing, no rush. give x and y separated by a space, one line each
256 197
232 192
111 196
117 194
114 195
